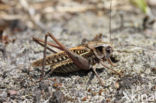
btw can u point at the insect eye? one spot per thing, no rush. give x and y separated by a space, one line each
100 48
108 49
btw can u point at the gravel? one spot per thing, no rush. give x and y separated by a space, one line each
19 81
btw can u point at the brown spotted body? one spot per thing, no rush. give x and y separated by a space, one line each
82 57
61 63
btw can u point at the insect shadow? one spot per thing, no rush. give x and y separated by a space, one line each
80 73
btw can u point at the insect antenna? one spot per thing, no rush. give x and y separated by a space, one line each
110 20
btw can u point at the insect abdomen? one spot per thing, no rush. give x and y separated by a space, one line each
68 65
58 57
65 67
61 63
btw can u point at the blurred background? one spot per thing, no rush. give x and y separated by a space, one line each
82 15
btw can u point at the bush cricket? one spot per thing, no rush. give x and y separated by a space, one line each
82 57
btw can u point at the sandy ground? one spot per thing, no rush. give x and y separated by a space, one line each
19 81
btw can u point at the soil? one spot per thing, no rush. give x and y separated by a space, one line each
134 54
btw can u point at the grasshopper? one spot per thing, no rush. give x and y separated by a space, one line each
82 57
